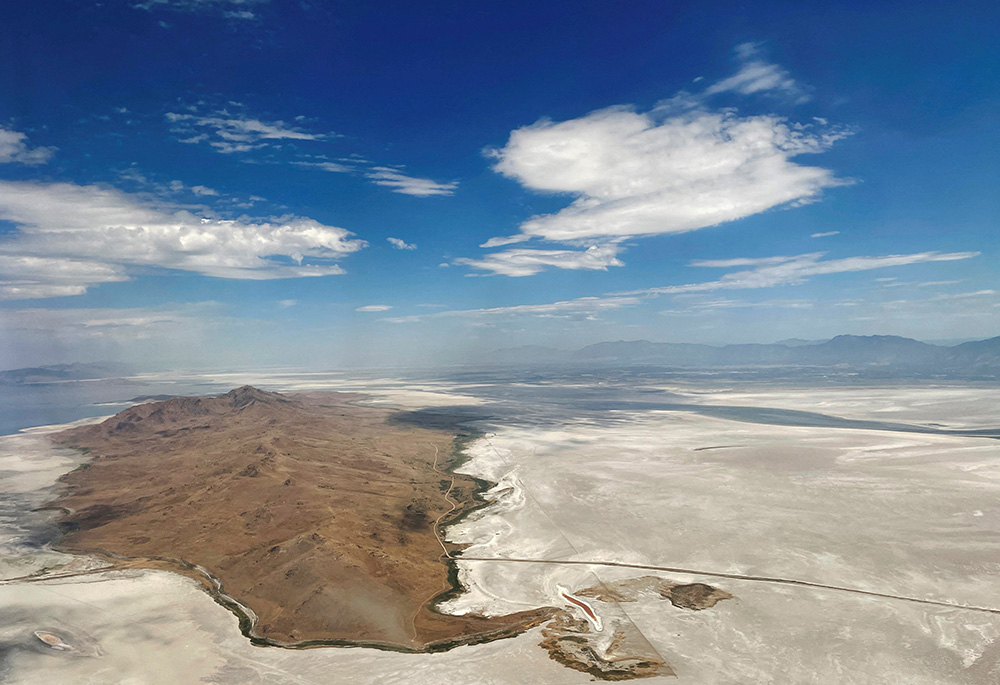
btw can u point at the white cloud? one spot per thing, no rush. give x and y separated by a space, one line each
14 148
231 133
228 133
408 185
332 167
894 283
385 176
231 9
527 262
964 296
91 322
288 303
581 307
740 261
400 244
374 308
636 173
179 186
681 166
824 234
770 272
25 277
757 76
703 306
89 234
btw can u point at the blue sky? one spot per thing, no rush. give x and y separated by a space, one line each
232 182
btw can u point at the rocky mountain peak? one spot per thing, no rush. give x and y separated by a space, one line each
247 395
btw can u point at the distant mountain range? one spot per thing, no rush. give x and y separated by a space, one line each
891 353
64 372
981 356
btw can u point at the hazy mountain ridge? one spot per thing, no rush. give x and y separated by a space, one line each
64 372
841 351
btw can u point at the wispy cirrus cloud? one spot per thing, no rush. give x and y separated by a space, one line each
581 307
394 177
766 272
230 9
769 272
14 148
135 323
326 165
199 190
231 130
708 306
757 75
70 237
374 308
400 182
527 262
788 303
228 132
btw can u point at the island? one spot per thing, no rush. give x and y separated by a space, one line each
314 519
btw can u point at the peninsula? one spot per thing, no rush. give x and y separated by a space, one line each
314 519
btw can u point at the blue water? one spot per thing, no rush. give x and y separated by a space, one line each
507 400
42 404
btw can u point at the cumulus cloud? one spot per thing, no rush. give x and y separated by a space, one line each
14 148
229 133
680 166
756 75
527 262
374 308
638 173
408 185
70 236
400 244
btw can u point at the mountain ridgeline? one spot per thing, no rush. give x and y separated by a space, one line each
980 358
57 373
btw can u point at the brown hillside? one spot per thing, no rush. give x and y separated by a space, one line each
316 514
